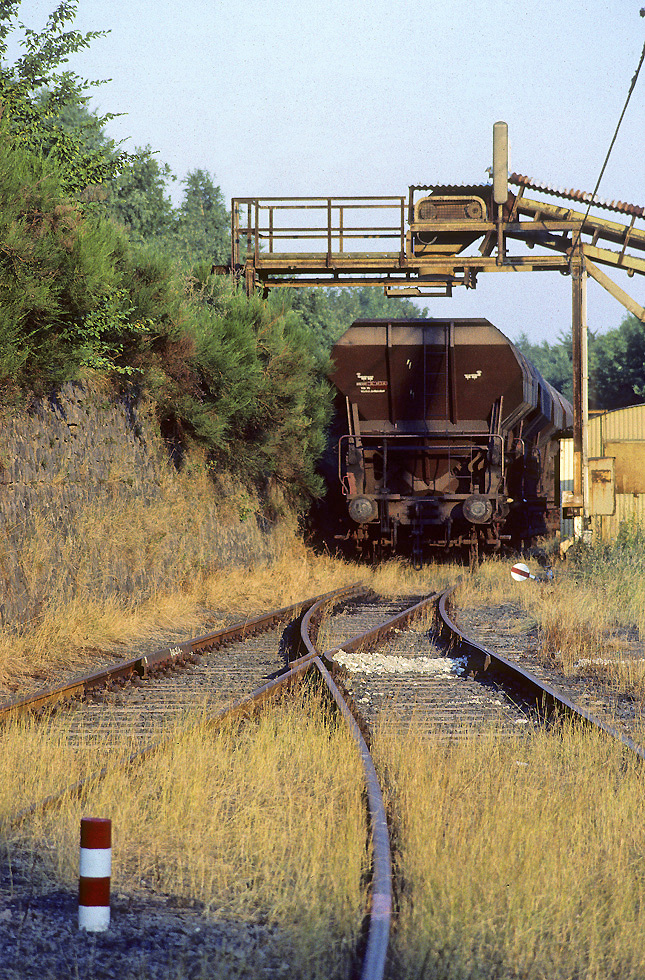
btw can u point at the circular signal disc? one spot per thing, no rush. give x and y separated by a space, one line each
520 572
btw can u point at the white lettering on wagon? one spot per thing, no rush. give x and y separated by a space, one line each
366 384
473 377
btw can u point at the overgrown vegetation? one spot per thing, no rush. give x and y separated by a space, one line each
100 273
518 857
514 856
259 824
616 360
123 574
79 295
590 618
244 381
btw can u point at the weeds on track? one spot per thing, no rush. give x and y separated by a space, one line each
72 634
263 822
517 858
514 857
590 617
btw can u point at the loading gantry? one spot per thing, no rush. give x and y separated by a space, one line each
441 236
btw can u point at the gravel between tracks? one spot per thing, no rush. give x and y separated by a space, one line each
409 682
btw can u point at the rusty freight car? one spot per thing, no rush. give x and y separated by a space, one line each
450 438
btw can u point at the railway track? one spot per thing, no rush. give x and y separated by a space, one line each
107 685
404 659
415 679
456 674
205 682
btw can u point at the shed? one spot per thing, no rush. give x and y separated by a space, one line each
616 453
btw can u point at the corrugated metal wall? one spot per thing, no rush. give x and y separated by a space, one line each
625 425
566 482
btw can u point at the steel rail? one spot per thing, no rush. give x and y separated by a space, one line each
547 699
380 913
244 707
143 666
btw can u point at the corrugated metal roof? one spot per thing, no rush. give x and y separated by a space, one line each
452 188
520 180
624 423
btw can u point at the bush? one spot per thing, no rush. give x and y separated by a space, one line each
252 390
62 303
240 378
603 560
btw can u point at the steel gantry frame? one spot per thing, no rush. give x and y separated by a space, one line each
295 242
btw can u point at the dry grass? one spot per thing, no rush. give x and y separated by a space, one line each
588 624
84 621
260 823
518 858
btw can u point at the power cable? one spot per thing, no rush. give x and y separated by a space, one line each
611 146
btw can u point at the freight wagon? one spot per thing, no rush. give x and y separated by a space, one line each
450 438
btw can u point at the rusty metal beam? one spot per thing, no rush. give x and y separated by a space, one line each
429 260
578 332
605 255
615 290
613 231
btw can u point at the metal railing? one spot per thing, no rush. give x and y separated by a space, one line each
261 223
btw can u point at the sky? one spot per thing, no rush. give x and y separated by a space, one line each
350 97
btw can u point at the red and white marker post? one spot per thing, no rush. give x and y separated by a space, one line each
94 874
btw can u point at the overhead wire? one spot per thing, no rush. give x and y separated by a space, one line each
611 146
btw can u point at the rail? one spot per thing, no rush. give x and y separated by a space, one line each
142 666
374 959
547 699
241 708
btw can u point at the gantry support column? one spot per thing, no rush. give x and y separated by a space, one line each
580 385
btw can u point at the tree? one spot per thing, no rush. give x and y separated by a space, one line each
64 302
329 312
36 96
78 294
553 361
616 364
137 198
618 376
201 232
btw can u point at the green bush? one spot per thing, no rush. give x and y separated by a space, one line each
233 374
604 560
254 393
243 378
58 270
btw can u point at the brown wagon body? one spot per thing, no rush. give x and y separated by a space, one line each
449 439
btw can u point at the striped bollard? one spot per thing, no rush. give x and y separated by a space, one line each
94 874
